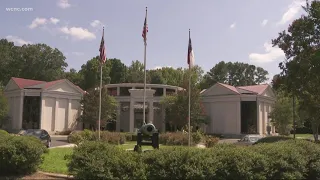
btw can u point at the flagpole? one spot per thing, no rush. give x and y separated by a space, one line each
145 76
189 108
99 123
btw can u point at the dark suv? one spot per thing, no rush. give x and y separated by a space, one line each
41 134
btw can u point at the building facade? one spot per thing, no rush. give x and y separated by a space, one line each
238 110
53 106
130 109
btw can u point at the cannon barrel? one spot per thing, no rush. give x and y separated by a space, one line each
148 129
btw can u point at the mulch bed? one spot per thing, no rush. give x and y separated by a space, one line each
37 175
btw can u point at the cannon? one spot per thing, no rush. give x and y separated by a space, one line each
147 135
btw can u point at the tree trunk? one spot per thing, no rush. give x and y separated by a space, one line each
315 127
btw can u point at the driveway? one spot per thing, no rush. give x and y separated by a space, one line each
59 140
228 141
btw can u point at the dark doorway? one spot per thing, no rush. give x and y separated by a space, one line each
248 117
31 112
111 126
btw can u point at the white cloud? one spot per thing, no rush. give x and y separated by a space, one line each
78 33
264 22
233 25
63 4
37 21
42 21
78 53
54 20
293 10
160 67
17 40
271 54
96 23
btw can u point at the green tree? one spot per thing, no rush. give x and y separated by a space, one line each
118 71
91 74
90 108
235 74
300 44
74 76
4 109
47 64
177 105
135 72
282 113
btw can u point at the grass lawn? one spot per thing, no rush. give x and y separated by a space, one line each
131 144
55 162
302 136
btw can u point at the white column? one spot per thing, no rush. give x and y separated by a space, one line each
258 117
151 116
131 122
41 112
13 112
118 91
239 117
163 122
69 119
56 106
164 91
20 116
118 117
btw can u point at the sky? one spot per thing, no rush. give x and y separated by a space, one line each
221 30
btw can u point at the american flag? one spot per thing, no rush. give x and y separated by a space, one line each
145 29
190 53
102 50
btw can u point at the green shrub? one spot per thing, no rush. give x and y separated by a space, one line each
172 139
105 136
180 163
20 155
239 163
197 137
210 141
110 137
272 139
3 132
291 159
97 160
285 158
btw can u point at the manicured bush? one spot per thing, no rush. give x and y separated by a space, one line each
291 159
197 137
3 132
180 163
272 139
20 154
105 136
210 141
285 158
98 160
180 138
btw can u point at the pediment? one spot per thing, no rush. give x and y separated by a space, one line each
11 86
64 87
268 93
218 90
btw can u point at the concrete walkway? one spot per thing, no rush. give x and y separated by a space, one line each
64 146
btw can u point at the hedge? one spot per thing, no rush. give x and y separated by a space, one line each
105 136
20 154
292 159
180 138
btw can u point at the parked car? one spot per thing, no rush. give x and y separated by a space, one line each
249 139
41 134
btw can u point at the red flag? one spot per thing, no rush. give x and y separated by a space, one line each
102 50
145 29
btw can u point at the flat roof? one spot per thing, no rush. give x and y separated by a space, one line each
142 85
